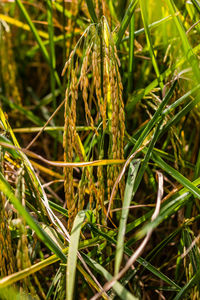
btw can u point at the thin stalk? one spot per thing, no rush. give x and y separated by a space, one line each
131 54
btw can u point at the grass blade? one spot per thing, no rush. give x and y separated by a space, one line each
196 5
135 98
126 20
72 256
131 190
133 169
177 175
33 29
91 11
143 6
29 115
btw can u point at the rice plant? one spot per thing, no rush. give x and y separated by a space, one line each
99 149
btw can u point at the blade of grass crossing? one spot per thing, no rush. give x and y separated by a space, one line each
166 211
21 25
176 175
29 115
133 169
163 154
170 170
162 244
36 185
72 256
183 112
156 272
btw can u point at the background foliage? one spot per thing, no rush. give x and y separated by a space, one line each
99 149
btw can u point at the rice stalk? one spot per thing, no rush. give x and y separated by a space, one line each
100 55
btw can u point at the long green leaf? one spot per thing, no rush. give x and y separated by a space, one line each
126 20
190 56
73 251
180 100
133 169
91 11
196 4
132 187
177 175
143 6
